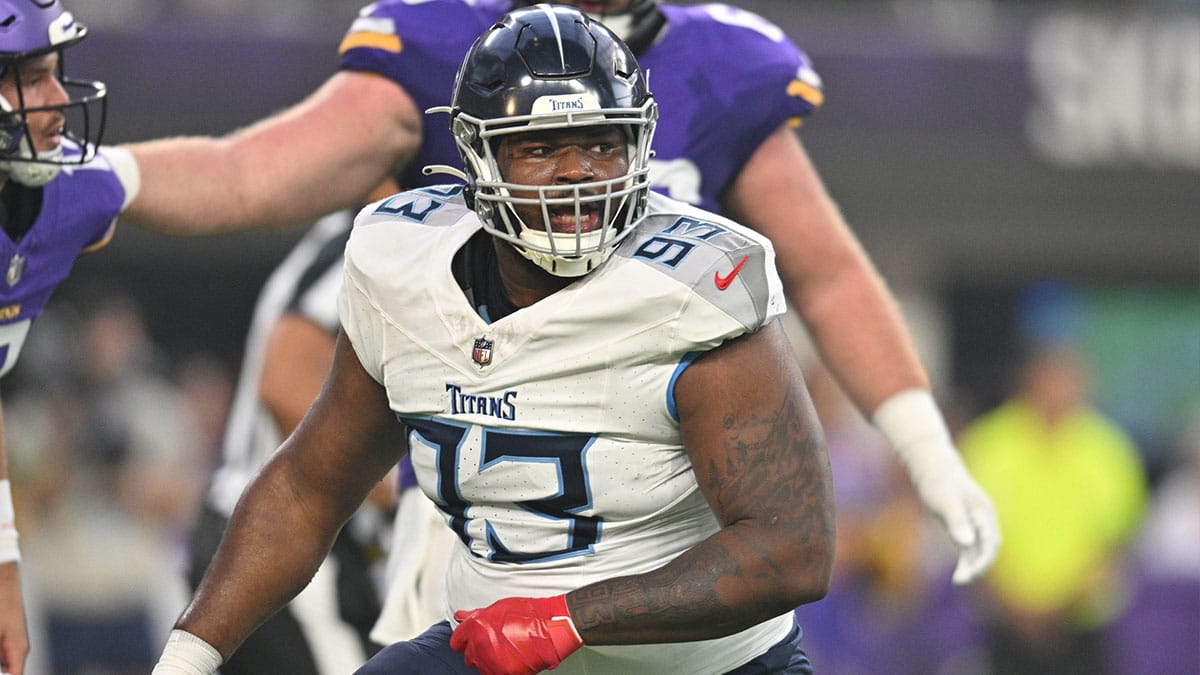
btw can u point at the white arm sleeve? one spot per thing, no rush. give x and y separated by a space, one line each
127 170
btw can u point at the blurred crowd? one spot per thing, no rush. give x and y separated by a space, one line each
114 448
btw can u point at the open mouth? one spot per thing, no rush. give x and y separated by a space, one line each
563 220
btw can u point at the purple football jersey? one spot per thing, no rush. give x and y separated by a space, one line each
724 79
79 210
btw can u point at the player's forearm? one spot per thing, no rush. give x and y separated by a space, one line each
759 457
866 346
764 471
828 277
726 584
860 333
325 153
199 185
277 538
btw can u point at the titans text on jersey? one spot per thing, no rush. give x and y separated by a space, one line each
461 403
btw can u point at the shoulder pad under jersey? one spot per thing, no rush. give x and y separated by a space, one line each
434 205
726 264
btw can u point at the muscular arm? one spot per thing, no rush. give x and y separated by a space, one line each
287 519
322 154
759 456
827 276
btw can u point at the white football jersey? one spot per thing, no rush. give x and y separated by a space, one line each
549 438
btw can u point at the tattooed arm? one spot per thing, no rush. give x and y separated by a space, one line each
759 457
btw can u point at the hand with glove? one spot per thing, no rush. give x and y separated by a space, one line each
914 426
516 636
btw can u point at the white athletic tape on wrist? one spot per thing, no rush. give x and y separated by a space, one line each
9 552
913 424
186 654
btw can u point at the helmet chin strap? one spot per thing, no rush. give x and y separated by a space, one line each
576 266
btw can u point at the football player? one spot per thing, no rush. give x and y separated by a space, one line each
594 386
59 197
730 146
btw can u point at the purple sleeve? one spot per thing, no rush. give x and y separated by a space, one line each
725 80
86 201
419 46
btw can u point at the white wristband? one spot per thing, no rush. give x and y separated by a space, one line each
186 654
914 426
9 552
127 169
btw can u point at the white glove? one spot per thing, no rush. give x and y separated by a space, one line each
913 424
186 654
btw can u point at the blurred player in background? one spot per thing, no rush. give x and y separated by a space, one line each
594 386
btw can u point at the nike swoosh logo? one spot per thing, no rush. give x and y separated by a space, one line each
723 282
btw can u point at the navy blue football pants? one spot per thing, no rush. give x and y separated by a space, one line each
430 653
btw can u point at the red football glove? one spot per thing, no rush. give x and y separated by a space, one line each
516 636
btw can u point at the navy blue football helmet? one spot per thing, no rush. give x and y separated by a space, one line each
542 68
29 29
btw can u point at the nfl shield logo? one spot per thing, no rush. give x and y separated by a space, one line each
482 352
16 267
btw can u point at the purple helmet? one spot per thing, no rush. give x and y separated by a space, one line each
30 29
